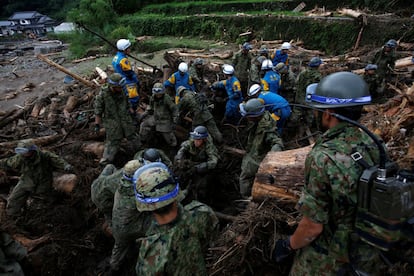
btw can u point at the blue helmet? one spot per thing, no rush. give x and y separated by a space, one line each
392 43
247 46
199 132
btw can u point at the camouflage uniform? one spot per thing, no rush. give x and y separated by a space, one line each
242 63
164 115
128 224
178 248
254 73
103 189
113 108
385 62
196 105
11 252
262 138
329 197
189 156
197 75
286 89
374 83
36 176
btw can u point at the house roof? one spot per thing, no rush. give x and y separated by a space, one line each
25 15
45 19
5 23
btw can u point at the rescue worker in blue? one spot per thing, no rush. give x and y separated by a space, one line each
271 80
122 66
282 55
234 94
277 106
180 78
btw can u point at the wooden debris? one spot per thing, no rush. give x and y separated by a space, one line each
31 244
65 183
281 175
70 106
299 7
102 74
63 69
400 63
351 13
234 151
96 148
39 141
225 55
143 38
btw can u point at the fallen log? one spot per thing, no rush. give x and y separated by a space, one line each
101 73
39 141
70 106
400 63
63 69
4 121
30 244
96 148
84 59
341 59
281 175
225 55
234 151
351 13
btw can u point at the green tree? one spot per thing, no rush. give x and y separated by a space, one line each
95 14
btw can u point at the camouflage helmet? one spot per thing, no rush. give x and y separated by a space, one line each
392 43
24 146
158 88
116 80
180 89
260 60
340 89
151 155
371 67
280 67
155 187
247 46
252 108
130 168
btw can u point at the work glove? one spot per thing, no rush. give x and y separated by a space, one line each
282 250
97 128
68 168
201 168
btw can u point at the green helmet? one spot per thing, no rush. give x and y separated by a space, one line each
280 67
340 89
252 108
155 187
24 146
116 79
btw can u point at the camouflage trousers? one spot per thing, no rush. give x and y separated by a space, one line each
128 224
98 196
24 188
249 168
147 129
112 147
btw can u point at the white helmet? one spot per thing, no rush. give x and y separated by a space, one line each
183 67
123 44
286 46
228 69
254 89
267 64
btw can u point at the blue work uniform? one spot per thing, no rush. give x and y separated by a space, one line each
121 65
234 94
179 79
277 106
279 56
271 81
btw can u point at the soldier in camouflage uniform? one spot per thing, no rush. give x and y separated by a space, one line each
163 116
262 138
241 63
153 155
195 106
323 240
128 224
301 116
103 189
196 72
36 168
255 72
11 253
195 161
385 59
288 81
178 238
111 107
372 79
